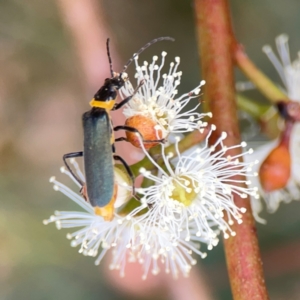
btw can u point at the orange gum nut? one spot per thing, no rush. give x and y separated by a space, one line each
146 127
275 171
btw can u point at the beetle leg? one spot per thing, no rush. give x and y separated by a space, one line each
128 170
120 139
72 155
134 130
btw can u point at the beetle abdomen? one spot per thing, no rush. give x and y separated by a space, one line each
98 161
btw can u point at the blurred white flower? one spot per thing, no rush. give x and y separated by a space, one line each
156 98
197 192
289 72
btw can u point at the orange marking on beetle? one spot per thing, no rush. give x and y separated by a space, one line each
107 212
108 105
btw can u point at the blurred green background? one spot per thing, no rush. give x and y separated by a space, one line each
43 92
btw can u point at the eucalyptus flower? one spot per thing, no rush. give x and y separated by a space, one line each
156 103
196 190
289 72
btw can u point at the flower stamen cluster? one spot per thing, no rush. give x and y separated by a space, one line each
157 98
209 178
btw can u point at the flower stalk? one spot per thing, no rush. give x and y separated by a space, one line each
255 109
266 115
216 43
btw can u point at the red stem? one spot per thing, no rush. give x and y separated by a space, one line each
286 134
216 44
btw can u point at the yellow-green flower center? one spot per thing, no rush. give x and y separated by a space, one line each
184 190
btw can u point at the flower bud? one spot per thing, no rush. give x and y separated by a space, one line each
275 171
123 181
146 127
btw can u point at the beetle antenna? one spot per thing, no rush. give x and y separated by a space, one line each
164 38
109 58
